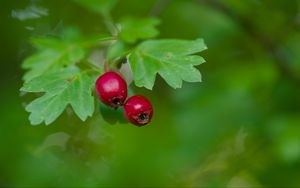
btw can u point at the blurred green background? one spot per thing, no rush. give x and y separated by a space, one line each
240 127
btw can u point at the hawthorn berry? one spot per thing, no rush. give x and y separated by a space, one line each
138 110
111 89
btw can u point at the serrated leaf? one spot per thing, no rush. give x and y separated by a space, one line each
68 86
99 6
133 29
171 58
52 55
42 43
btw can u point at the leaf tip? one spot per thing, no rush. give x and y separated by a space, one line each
202 43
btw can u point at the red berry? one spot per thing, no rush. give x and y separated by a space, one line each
111 89
138 110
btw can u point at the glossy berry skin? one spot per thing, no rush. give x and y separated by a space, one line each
111 89
138 110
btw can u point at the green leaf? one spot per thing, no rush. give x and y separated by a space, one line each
116 50
98 6
133 29
67 86
52 55
172 59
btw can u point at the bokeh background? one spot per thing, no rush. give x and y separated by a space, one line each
240 127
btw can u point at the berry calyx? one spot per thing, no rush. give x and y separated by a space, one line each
138 110
111 89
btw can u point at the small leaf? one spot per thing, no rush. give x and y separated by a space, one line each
41 62
30 12
133 29
75 54
42 43
67 86
171 58
99 6
52 55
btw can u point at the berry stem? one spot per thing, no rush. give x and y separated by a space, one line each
106 66
92 67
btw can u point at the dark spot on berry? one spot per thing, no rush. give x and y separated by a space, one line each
116 101
143 118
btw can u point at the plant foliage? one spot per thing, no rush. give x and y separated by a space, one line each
56 68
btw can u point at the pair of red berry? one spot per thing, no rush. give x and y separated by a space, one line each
112 91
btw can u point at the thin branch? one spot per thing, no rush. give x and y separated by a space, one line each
275 51
113 29
158 7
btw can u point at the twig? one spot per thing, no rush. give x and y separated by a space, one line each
158 7
267 43
113 29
